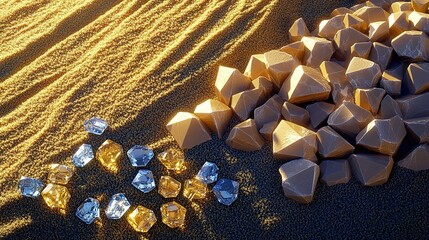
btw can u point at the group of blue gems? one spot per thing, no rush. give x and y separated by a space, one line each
225 190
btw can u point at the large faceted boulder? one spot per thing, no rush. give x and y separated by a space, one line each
341 90
418 159
363 73
420 5
243 103
414 106
328 28
316 51
245 137
256 67
305 84
230 81
330 144
418 128
355 22
333 172
295 114
372 14
295 49
279 65
391 80
215 115
401 7
370 99
267 130
417 78
389 108
360 49
298 30
381 54
345 38
291 141
413 45
382 135
299 179
270 111
398 23
265 85
371 169
319 112
378 31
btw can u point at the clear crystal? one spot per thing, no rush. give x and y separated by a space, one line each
83 155
30 187
140 155
144 181
208 173
95 125
226 191
117 207
89 210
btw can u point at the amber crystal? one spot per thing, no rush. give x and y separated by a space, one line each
194 189
109 153
142 219
173 214
173 160
56 196
169 187
60 174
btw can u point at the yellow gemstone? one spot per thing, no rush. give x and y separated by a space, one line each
141 219
60 174
173 214
169 187
108 154
194 189
173 160
56 196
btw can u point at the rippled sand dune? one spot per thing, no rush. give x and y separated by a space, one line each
135 63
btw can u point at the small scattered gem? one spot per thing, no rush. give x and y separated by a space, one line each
60 174
194 189
141 219
208 173
144 181
109 153
173 214
117 207
30 187
56 196
89 210
169 187
226 191
173 160
95 125
83 155
140 156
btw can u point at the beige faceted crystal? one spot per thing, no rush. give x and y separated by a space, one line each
420 5
215 115
389 108
418 128
269 111
417 78
298 30
349 119
357 7
243 103
344 40
413 45
414 106
194 189
381 54
56 196
304 85
316 51
363 73
295 49
333 172
299 179
391 79
330 144
372 14
398 23
378 31
230 81
340 11
60 174
420 21
401 7
256 67
342 92
333 72
360 49
265 85
418 159
292 141
355 22
319 112
370 99
383 135
168 187
279 65
328 28
267 130
245 136
371 169
295 114
173 214
188 130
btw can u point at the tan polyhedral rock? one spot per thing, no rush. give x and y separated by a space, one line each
269 111
280 65
401 7
345 38
328 28
334 172
299 179
355 22
188 130
340 11
383 135
363 73
349 119
417 78
230 81
267 130
316 51
391 80
330 144
385 4
420 5
305 84
414 106
256 67
357 7
420 21
418 159
378 31
398 23
418 128
333 72
370 99
371 169
295 114
265 85
295 49
341 92
245 137
243 103
381 54
319 112
360 49
372 14
215 115
298 30
292 141
412 44
389 108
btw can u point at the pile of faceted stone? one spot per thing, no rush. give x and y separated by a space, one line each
335 101
57 196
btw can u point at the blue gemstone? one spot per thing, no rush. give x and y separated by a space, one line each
140 155
144 181
95 125
208 173
83 155
117 207
89 210
30 187
226 191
